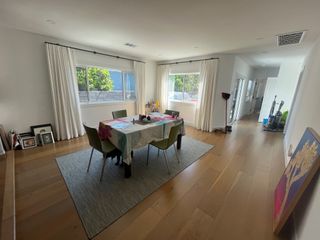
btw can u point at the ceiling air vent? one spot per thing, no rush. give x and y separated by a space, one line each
130 45
290 38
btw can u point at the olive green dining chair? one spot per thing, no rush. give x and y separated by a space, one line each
104 146
119 114
166 143
172 112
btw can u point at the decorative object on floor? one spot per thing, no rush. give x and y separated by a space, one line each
46 138
27 140
38 129
304 164
105 147
119 114
4 138
99 204
13 138
227 128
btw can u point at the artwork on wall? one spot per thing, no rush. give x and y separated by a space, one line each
303 165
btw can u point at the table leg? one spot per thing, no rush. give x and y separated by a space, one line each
127 170
179 141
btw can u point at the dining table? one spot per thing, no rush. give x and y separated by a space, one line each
134 132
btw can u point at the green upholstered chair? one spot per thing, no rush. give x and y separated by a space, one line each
172 112
166 143
105 147
119 114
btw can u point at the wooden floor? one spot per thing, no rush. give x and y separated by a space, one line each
227 194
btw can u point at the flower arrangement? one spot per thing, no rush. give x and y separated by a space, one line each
153 106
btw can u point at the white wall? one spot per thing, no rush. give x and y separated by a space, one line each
151 77
224 82
92 114
261 74
305 113
25 96
284 87
244 71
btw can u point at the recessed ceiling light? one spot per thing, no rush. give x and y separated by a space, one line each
50 21
130 45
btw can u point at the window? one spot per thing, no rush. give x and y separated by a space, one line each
97 84
184 87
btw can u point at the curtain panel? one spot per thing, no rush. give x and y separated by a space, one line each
139 70
204 108
64 89
162 86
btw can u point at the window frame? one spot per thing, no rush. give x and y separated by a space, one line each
183 92
91 103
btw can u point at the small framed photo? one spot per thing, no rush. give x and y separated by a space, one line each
46 138
38 129
28 142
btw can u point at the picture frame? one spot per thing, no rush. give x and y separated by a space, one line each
46 138
28 142
302 167
42 128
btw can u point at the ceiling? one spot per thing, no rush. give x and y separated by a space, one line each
171 29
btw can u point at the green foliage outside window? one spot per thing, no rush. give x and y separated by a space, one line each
98 79
186 82
82 79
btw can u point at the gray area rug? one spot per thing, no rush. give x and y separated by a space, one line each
101 203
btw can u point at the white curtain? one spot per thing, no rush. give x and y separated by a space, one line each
64 89
139 70
162 86
204 109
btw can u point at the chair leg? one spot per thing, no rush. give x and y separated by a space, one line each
175 149
118 160
104 163
90 160
166 160
148 154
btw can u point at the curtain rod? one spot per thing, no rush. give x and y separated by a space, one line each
94 52
189 61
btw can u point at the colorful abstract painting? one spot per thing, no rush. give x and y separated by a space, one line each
298 174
